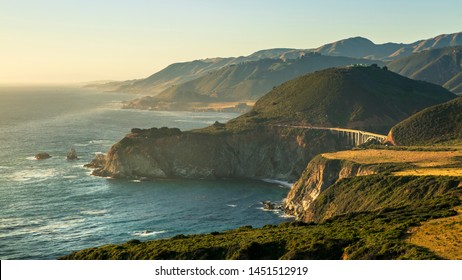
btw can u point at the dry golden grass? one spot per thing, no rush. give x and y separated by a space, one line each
442 236
430 172
425 162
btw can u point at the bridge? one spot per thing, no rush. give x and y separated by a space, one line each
354 137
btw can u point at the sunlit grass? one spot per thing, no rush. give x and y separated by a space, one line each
442 236
426 162
430 172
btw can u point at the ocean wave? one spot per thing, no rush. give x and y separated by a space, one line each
82 145
285 215
284 184
97 212
11 223
193 121
32 175
147 233
268 210
231 205
55 226
100 141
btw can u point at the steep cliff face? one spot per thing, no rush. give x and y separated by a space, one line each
278 153
319 175
333 187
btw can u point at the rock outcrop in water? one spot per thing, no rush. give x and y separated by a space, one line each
42 156
98 162
279 153
72 154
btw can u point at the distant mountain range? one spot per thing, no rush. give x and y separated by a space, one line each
439 66
181 86
243 81
358 47
362 47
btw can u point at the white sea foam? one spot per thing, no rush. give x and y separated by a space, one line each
192 121
101 142
231 205
54 226
70 177
82 145
136 181
12 222
31 158
267 210
279 182
95 212
32 175
285 215
147 233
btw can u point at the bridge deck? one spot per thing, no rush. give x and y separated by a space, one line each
358 136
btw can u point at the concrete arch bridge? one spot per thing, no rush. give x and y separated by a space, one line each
354 137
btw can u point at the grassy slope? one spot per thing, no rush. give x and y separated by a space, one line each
441 236
435 125
413 161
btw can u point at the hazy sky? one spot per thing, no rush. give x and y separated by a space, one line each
54 41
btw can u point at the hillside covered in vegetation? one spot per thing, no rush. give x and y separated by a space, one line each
366 98
435 125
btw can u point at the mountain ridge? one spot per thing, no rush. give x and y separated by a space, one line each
243 81
388 51
439 66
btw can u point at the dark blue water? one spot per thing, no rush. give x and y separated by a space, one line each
53 207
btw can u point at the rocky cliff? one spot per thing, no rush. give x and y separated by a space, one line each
270 152
334 187
319 175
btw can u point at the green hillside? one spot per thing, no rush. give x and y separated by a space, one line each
438 66
435 125
367 98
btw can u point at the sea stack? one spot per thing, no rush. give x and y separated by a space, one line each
41 156
72 154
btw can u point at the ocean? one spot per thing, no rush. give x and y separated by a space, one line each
53 207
